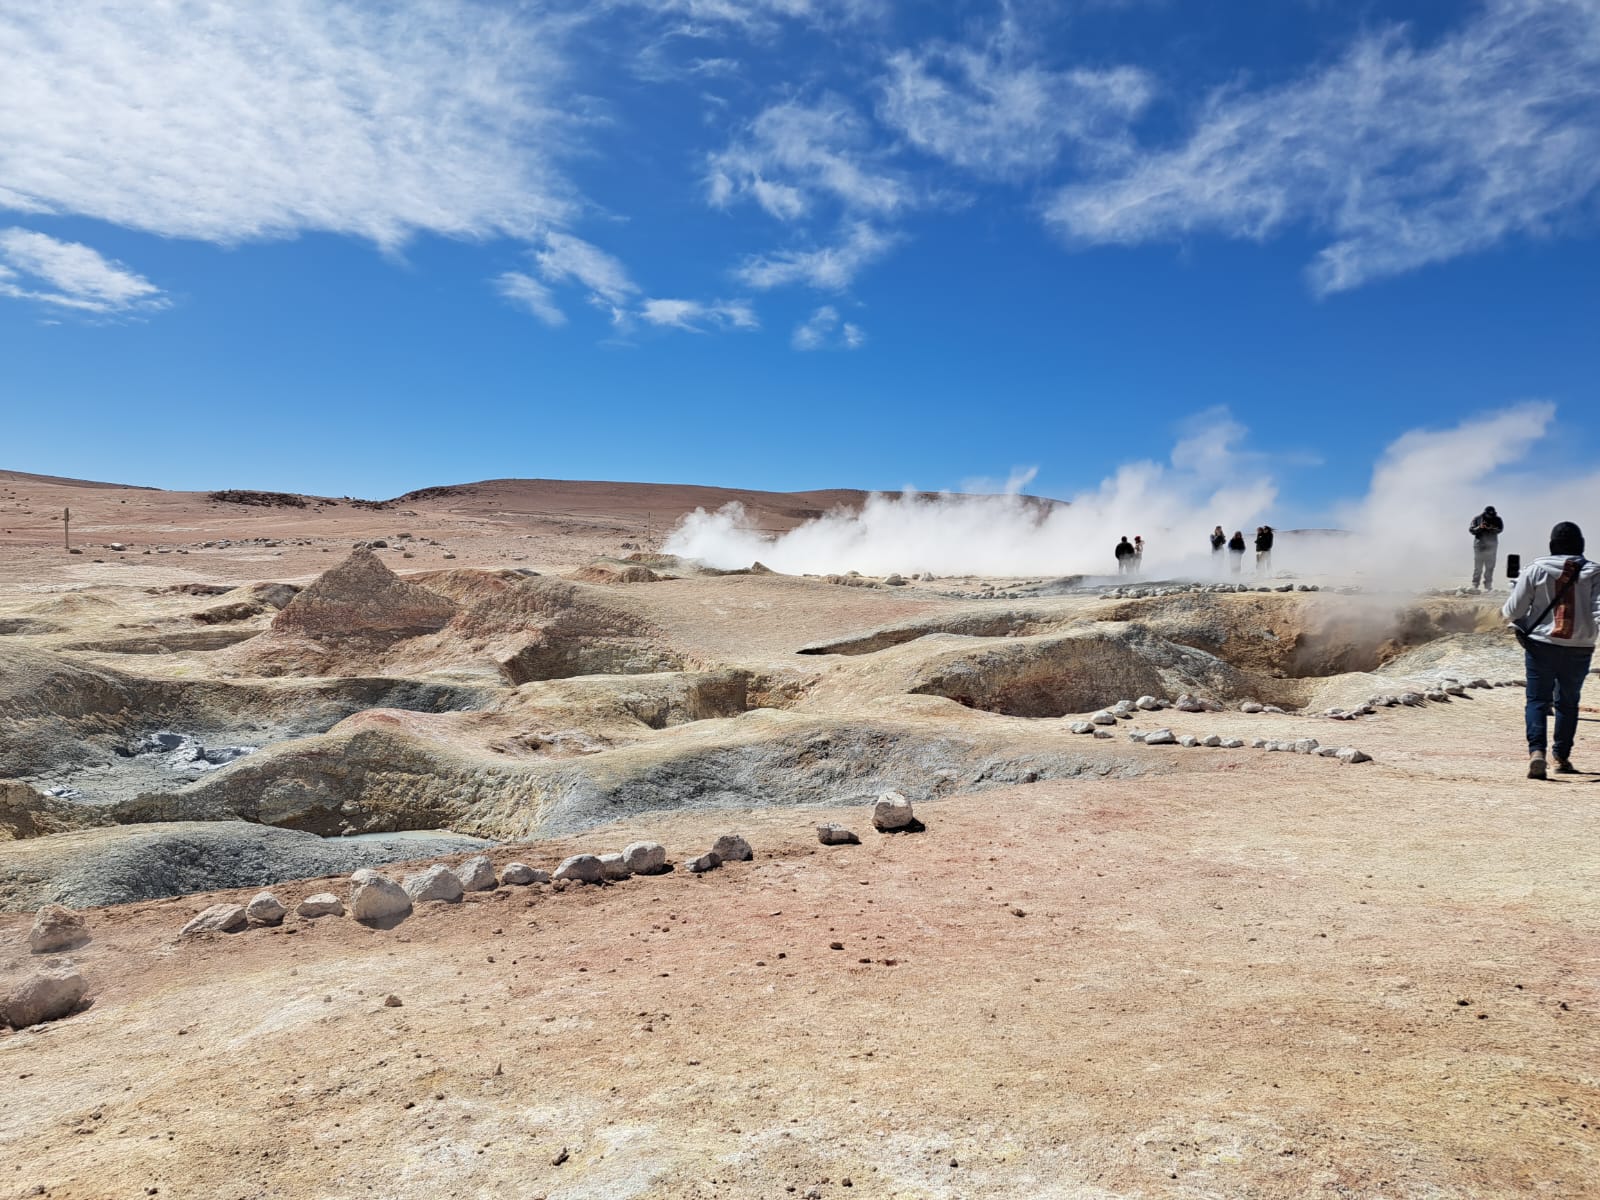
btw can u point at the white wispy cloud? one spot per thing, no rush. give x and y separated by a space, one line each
825 330
698 317
529 294
565 258
760 15
70 275
229 122
792 155
829 268
994 110
1404 154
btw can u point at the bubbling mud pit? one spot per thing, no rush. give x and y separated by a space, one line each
508 704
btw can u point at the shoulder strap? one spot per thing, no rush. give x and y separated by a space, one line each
1560 595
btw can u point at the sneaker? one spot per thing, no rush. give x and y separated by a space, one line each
1564 767
1536 767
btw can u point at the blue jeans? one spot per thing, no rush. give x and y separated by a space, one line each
1554 673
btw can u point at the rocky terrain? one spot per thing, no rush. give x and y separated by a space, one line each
1208 892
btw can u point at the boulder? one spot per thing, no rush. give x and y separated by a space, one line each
521 874
1351 755
581 868
1101 733
1081 727
438 882
1160 737
377 897
1103 717
477 874
323 904
265 909
1250 706
1259 744
1149 703
1189 741
219 918
1212 740
613 867
55 928
44 996
892 811
1303 745
833 834
700 864
1189 704
645 858
730 847
1232 743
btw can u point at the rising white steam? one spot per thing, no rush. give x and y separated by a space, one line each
1409 529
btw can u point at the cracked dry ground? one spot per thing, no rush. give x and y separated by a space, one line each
1258 976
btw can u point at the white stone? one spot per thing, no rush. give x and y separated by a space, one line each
45 996
730 847
377 897
581 868
265 909
438 882
1351 755
1189 704
833 834
1103 717
613 867
476 874
1250 706
892 811
219 918
1189 741
521 874
1212 740
1327 751
1081 727
56 927
1148 703
1160 737
1101 733
1232 743
645 858
1303 745
322 904
702 863
1260 744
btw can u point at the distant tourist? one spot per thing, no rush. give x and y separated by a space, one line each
1555 610
1219 542
1485 529
1125 553
1263 549
1138 554
1236 550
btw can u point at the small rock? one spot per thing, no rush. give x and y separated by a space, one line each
1080 727
477 874
323 904
55 928
1103 718
730 847
1411 699
834 834
1212 740
1160 737
613 867
1272 708
391 1001
1304 745
581 868
1148 703
1232 743
438 882
701 863
1250 706
645 858
891 812
377 897
45 996
1259 744
1101 733
1327 751
265 909
1351 755
1189 704
1189 741
1438 697
219 918
521 874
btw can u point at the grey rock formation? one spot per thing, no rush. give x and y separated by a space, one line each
581 868
265 909
1081 727
1351 755
701 863
377 897
1103 717
1149 703
645 858
43 996
891 812
1212 740
731 847
1232 743
834 834
219 918
1188 741
56 927
438 882
521 875
476 874
613 867
1160 737
322 904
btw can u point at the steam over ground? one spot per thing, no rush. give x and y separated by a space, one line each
1410 529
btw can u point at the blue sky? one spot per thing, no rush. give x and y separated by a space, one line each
786 244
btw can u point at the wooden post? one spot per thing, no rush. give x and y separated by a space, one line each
66 528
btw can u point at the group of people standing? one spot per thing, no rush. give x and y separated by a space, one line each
1130 555
1235 547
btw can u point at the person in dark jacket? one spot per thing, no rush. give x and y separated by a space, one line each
1125 554
1555 610
1485 529
1263 549
1236 550
1219 541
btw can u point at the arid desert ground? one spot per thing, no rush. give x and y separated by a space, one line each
1103 969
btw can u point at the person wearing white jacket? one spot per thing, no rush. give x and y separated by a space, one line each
1555 609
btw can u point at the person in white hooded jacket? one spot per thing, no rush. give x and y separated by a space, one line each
1555 607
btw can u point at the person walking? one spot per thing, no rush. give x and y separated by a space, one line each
1485 529
1219 542
1554 609
1263 549
1236 550
1124 556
